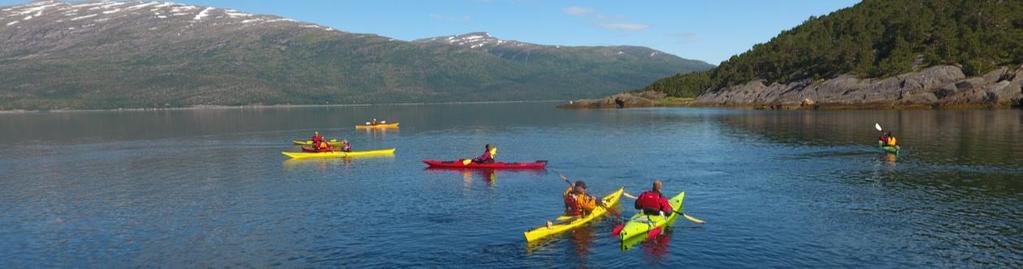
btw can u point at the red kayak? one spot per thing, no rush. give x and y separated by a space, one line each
496 165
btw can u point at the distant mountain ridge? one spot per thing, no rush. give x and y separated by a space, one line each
105 54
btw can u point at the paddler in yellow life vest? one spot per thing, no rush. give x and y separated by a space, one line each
324 146
890 139
578 203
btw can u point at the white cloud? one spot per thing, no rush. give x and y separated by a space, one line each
625 26
577 11
615 22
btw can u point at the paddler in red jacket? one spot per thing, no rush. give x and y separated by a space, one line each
653 202
317 138
489 152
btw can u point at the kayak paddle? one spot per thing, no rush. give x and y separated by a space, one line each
617 230
654 233
878 127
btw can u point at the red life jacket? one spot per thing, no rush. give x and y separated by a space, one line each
653 201
571 206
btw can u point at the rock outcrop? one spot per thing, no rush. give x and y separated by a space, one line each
621 100
937 86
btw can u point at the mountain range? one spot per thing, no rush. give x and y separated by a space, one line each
107 54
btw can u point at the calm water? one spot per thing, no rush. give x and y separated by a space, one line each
209 188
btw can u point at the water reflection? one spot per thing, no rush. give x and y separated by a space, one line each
656 247
581 240
948 137
326 164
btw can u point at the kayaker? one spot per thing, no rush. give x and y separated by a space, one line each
489 154
324 147
883 139
317 138
890 139
653 202
577 201
345 146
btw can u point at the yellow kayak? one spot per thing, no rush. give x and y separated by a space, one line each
339 154
379 125
572 222
332 142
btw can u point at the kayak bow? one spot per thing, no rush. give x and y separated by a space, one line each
888 149
570 222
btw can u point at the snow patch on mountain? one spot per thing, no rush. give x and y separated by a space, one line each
203 13
474 40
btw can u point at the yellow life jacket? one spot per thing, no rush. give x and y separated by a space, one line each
891 141
493 153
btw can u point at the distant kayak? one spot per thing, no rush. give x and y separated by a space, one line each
570 222
889 149
339 154
641 224
496 165
332 142
379 125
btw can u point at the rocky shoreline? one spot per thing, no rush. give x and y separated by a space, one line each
944 86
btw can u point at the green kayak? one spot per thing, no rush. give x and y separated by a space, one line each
888 149
640 224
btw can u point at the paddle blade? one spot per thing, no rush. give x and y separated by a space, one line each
654 233
629 195
617 230
693 219
877 126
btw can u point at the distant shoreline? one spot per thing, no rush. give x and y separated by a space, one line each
221 107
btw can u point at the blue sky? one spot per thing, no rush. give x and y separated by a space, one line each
708 30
